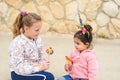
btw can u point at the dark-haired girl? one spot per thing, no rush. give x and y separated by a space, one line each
84 62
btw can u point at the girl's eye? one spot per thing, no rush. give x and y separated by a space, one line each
37 30
77 43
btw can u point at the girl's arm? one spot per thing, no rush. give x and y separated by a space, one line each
41 51
92 67
18 62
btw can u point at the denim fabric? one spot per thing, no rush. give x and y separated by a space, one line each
68 77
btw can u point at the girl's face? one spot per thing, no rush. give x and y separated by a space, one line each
79 45
33 31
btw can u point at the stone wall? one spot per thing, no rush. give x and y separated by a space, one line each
61 16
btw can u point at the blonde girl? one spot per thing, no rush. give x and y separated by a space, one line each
26 50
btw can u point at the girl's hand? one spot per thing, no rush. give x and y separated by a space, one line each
44 66
68 67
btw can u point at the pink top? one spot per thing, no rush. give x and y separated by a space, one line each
85 65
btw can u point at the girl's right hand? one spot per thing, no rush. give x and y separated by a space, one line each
68 67
44 65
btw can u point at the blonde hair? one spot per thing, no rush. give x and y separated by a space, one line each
24 20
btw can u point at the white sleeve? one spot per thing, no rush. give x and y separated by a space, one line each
41 49
17 61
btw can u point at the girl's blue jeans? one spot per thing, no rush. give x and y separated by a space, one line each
68 77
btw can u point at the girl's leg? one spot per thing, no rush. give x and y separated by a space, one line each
79 79
48 75
35 76
66 77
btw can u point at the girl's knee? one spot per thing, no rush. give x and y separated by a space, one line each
50 76
61 78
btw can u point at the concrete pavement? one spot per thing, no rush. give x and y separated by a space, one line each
108 53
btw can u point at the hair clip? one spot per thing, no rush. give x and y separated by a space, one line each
81 26
23 13
80 20
83 30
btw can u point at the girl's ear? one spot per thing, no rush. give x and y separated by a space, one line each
87 44
26 28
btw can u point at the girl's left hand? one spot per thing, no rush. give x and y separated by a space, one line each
68 67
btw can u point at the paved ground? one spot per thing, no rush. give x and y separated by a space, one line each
108 53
